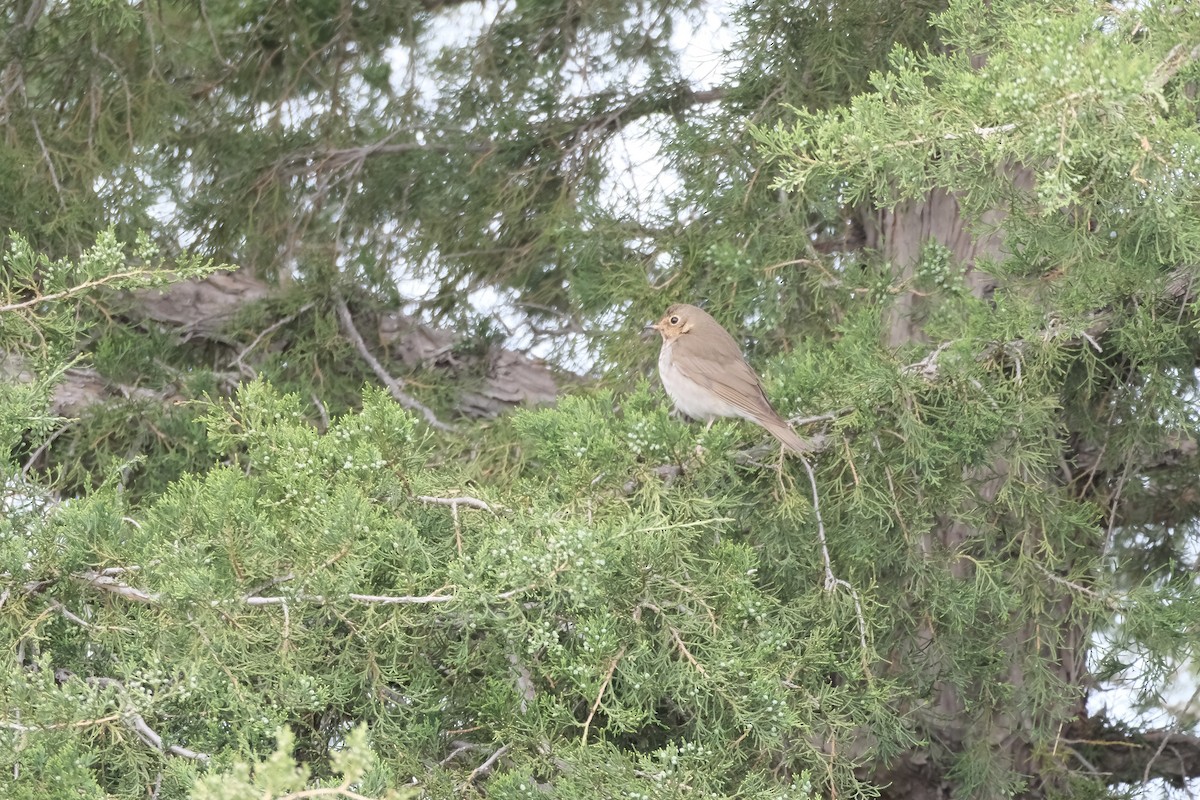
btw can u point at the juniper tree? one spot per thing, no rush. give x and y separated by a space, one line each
959 243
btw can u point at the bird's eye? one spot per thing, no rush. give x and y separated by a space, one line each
674 320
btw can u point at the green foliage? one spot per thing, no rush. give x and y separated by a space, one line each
1081 100
308 584
288 586
279 778
42 318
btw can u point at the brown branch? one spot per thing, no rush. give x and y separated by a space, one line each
134 720
1133 757
152 738
109 583
832 582
1177 291
456 501
827 417
58 726
608 676
684 650
274 326
367 599
485 767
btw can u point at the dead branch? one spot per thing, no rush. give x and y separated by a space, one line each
394 385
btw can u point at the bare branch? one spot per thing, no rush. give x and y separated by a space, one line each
1136 758
368 599
1176 291
111 585
831 580
608 676
453 502
237 361
69 615
394 385
129 715
108 583
829 416
684 650
486 766
152 738
58 726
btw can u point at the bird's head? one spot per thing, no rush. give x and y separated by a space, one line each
678 320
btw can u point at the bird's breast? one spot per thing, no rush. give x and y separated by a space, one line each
692 398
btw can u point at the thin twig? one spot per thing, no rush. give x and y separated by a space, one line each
41 448
112 585
486 766
322 413
237 361
394 385
608 676
683 649
37 134
1108 601
454 503
83 287
459 749
827 417
57 726
1161 746
369 599
831 580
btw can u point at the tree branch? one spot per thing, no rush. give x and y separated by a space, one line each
1178 290
148 275
394 385
604 684
832 582
130 716
110 584
1132 757
456 501
485 767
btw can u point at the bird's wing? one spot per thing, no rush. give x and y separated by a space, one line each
722 370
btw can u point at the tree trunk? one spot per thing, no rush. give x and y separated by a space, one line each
899 236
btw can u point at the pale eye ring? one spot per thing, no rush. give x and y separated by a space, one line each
674 320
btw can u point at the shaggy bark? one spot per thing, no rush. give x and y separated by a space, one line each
204 309
900 235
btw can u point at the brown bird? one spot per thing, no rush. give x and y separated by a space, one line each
703 371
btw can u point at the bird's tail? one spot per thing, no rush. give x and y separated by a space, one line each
779 428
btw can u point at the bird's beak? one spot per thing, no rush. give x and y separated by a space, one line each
649 331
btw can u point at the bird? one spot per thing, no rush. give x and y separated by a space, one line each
705 374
